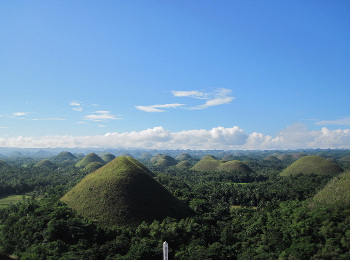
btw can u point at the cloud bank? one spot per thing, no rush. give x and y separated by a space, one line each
296 136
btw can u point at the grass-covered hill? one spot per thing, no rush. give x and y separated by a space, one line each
272 158
123 192
183 164
64 155
108 157
312 165
209 163
336 192
166 161
46 163
90 158
146 156
155 158
183 157
91 167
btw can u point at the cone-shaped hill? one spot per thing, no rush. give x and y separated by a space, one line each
183 164
46 163
108 157
312 165
183 157
123 192
209 163
146 156
91 167
166 161
64 155
155 158
90 158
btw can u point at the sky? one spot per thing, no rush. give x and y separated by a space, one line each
175 74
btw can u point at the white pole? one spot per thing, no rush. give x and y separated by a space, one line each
166 251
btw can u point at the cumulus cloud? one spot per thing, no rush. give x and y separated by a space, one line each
155 108
293 137
101 116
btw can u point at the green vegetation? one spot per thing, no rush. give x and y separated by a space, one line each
90 158
166 161
123 193
183 164
312 165
183 157
91 167
236 215
13 199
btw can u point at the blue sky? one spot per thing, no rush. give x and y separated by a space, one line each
175 74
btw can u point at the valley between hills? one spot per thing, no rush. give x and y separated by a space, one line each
214 204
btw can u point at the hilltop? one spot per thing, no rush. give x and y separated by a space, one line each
312 165
123 192
46 163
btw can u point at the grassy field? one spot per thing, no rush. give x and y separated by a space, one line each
4 202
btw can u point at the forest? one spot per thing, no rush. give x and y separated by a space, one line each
252 213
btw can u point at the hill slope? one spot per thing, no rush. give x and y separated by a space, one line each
312 165
336 192
123 192
46 163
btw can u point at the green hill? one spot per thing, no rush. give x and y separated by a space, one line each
272 158
336 192
228 157
312 165
166 161
207 163
146 156
123 192
64 155
183 164
108 157
91 167
183 157
155 158
46 163
234 165
90 158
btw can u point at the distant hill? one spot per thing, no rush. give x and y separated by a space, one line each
90 158
64 155
183 164
336 192
228 157
155 158
146 156
108 157
272 158
183 157
46 163
166 161
209 163
312 165
123 192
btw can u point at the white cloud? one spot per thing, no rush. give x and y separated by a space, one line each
341 121
193 93
21 113
219 97
50 119
75 103
78 109
101 116
154 108
296 136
